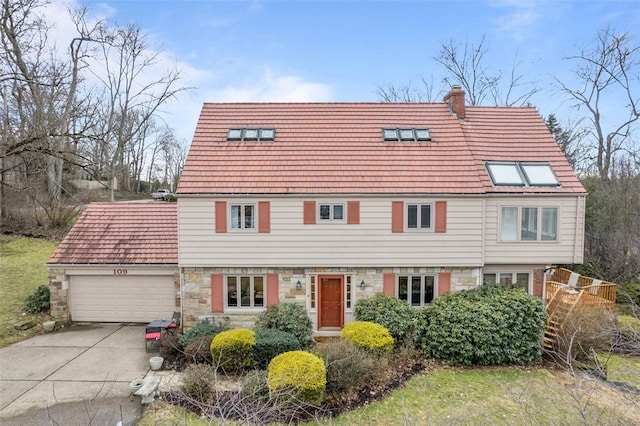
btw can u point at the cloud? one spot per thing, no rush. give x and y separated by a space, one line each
270 88
520 17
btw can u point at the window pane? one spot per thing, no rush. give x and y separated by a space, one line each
522 281
232 291
267 134
429 289
251 134
423 134
504 174
425 216
539 174
416 290
402 288
234 134
549 224
258 291
390 134
325 211
235 216
489 279
248 217
506 279
245 291
529 224
338 213
509 224
406 134
412 216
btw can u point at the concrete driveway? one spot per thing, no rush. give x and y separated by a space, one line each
79 375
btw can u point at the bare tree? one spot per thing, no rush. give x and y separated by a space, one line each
569 140
425 92
608 73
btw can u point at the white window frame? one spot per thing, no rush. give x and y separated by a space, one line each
243 227
514 276
422 277
419 228
332 206
252 292
539 224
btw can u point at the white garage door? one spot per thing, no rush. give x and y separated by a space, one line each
121 298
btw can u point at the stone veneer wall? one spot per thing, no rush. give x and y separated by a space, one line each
196 302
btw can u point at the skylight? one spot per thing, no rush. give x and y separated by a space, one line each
521 174
251 134
406 134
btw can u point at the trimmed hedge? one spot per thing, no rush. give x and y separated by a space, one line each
489 325
271 343
302 373
289 317
232 350
368 335
397 316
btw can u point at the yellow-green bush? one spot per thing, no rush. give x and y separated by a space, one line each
368 335
232 350
302 373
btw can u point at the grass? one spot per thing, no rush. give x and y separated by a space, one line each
22 269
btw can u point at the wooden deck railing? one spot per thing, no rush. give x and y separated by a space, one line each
600 294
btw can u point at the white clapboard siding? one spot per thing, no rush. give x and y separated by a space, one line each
291 243
568 248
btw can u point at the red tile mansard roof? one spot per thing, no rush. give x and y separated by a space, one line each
338 148
122 233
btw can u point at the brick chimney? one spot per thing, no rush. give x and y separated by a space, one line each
455 99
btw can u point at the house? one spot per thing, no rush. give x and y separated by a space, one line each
326 203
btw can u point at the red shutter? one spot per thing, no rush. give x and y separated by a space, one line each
397 216
309 213
441 216
217 293
389 284
273 289
353 212
264 217
444 283
221 216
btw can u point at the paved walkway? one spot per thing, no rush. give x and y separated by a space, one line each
75 376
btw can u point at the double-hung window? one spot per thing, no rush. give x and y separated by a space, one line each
245 291
529 224
419 216
331 212
243 216
508 279
417 290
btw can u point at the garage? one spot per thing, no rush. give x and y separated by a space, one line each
121 298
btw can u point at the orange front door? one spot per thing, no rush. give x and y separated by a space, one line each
331 313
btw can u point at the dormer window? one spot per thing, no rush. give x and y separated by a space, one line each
406 134
505 173
250 134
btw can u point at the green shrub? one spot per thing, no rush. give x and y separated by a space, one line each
232 350
198 382
301 373
289 317
368 335
628 294
39 301
489 325
397 316
200 329
271 343
350 368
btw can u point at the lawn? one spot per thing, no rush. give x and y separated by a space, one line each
22 270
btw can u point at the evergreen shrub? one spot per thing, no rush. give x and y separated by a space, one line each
397 316
289 317
232 350
368 335
299 376
271 343
39 301
489 325
200 329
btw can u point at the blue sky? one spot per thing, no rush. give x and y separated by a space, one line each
343 50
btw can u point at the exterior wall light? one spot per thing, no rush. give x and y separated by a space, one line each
362 285
298 285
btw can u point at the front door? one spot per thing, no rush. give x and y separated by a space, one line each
331 314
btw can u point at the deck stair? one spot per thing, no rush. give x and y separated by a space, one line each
566 291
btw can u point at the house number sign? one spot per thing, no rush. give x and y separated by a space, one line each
119 272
